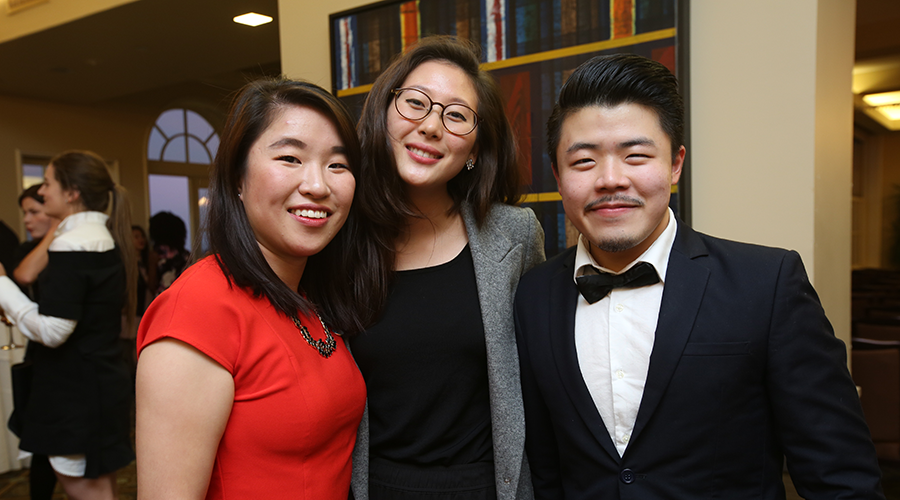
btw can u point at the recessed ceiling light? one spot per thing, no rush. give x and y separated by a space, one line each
252 19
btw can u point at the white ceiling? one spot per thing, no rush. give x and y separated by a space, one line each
142 53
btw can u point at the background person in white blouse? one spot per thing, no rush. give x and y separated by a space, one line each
78 408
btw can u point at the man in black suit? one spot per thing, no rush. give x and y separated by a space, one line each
659 362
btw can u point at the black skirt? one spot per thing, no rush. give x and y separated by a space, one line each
393 481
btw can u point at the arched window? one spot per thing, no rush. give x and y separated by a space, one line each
182 136
181 146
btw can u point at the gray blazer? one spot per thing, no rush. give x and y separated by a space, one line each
509 243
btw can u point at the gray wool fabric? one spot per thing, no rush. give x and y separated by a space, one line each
509 243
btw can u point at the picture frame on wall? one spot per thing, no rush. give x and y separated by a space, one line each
530 47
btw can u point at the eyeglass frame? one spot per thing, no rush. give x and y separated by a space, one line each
399 90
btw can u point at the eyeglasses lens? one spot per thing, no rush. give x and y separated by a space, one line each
416 105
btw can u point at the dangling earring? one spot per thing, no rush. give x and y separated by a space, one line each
470 164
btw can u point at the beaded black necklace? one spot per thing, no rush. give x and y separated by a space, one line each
325 347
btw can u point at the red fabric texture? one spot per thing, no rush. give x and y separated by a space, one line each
293 424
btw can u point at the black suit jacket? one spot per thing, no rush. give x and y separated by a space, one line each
745 370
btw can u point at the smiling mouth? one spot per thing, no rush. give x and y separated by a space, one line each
310 214
423 154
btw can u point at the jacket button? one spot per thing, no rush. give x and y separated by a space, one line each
507 480
627 476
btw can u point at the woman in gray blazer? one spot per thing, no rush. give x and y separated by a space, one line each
445 251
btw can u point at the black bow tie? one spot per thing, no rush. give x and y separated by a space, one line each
594 287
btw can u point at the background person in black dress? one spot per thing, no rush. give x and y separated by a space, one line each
78 410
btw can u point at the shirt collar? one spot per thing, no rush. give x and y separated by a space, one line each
657 254
79 218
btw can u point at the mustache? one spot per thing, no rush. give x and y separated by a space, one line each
614 198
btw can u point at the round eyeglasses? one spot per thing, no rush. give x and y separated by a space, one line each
415 105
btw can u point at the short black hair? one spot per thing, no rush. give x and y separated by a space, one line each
616 79
32 192
168 229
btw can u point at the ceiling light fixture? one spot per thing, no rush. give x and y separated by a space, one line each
252 19
886 103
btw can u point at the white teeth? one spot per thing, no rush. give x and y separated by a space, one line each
419 152
311 214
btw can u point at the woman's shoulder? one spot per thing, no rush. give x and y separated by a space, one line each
201 309
204 280
203 291
511 220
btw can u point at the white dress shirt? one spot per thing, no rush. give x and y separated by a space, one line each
80 232
614 337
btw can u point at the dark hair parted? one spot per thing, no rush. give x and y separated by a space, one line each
231 236
32 192
168 229
495 179
86 173
616 79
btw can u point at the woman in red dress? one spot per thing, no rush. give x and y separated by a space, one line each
244 388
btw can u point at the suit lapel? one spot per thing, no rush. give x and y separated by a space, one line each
488 249
685 284
563 302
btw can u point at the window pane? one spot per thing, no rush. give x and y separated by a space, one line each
198 126
155 144
169 193
171 122
175 150
197 152
31 175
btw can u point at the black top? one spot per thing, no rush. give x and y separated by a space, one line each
80 394
425 365
8 243
24 248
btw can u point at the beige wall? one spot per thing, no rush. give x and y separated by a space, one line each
49 14
772 132
303 28
35 127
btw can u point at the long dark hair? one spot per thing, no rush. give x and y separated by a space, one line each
231 237
86 172
495 178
